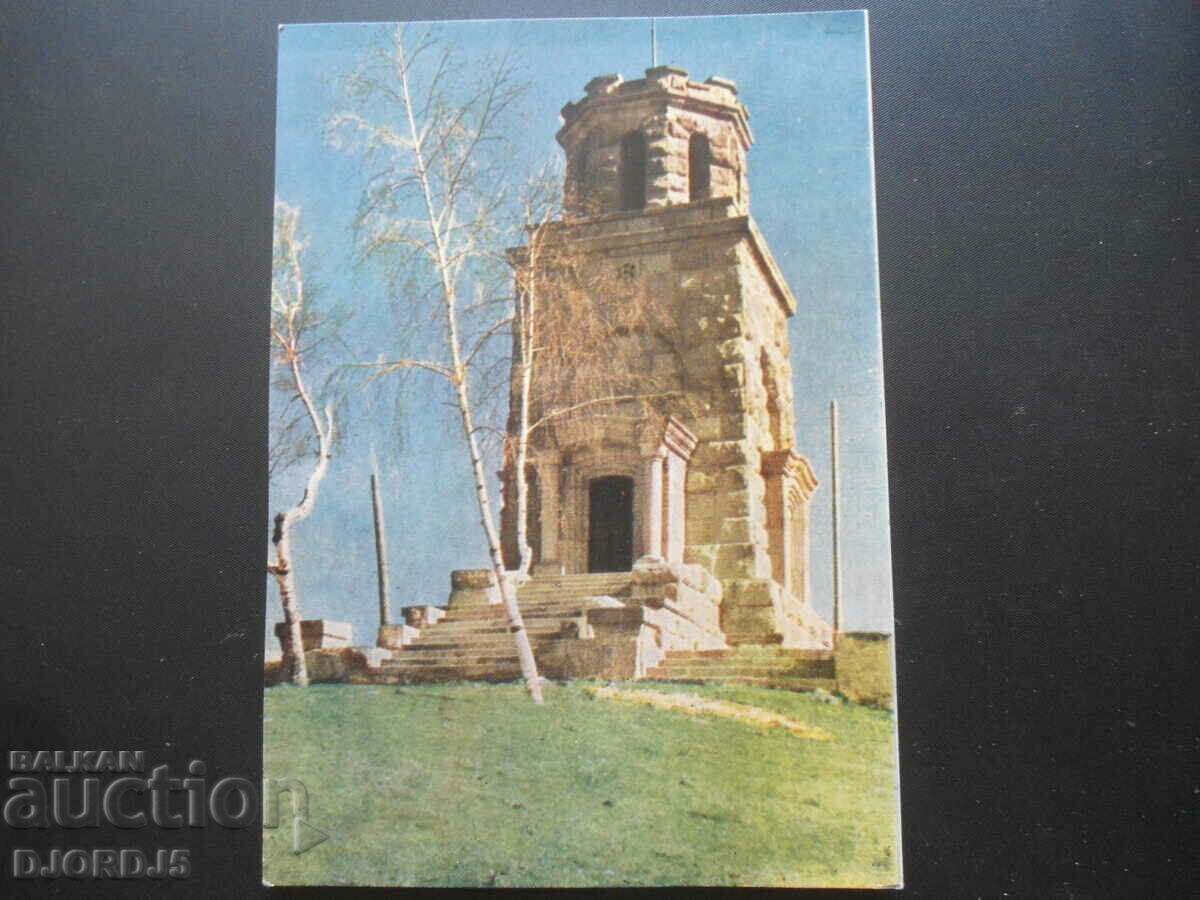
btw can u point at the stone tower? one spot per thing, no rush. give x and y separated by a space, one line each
700 481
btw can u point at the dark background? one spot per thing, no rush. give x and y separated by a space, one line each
1037 230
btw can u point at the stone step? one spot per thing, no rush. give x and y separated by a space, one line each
598 589
551 601
450 663
478 637
456 630
505 644
541 604
418 657
542 615
821 669
785 683
475 644
456 655
753 640
423 654
751 652
454 673
489 642
563 611
500 617
501 646
578 579
587 583
550 594
572 590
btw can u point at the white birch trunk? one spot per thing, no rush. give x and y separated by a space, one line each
525 323
508 594
295 670
442 223
283 570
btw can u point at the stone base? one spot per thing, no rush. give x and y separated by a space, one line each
272 672
320 634
373 657
759 611
335 665
549 567
347 664
471 588
422 616
671 608
396 637
864 668
622 645
748 611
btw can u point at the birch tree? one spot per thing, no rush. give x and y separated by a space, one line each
427 126
539 207
302 433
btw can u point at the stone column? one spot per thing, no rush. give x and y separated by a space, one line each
652 517
789 485
676 470
798 578
678 444
777 516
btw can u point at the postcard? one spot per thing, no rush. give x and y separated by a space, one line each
578 569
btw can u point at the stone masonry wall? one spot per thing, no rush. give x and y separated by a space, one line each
731 321
714 348
667 108
726 351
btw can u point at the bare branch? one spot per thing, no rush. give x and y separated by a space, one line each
386 368
433 163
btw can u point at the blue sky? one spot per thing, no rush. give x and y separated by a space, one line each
804 79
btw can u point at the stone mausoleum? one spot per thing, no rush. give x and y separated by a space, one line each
670 531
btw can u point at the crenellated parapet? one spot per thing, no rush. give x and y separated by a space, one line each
655 142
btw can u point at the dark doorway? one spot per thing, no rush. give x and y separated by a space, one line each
699 167
610 521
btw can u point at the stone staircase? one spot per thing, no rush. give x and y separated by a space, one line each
761 665
474 643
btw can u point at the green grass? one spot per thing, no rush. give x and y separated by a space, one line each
471 784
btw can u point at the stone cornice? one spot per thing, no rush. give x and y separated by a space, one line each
665 86
659 229
782 292
793 469
650 230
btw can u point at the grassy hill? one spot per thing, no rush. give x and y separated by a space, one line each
471 784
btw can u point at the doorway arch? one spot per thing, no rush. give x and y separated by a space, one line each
610 524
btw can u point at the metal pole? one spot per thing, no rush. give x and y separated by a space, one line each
837 561
381 565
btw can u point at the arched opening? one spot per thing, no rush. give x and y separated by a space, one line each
581 180
610 524
633 171
699 167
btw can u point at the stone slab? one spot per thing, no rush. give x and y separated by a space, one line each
864 668
319 634
395 637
